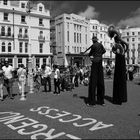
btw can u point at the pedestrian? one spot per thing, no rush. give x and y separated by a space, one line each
37 77
56 80
97 75
48 72
130 72
8 78
21 72
1 82
46 77
119 83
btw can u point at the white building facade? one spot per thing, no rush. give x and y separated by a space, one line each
72 37
18 27
132 37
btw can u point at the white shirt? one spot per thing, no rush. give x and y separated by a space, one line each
47 72
56 74
8 71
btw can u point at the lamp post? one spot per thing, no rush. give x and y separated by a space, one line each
30 73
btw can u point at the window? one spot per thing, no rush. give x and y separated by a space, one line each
138 33
40 21
127 39
41 33
41 48
80 38
3 47
93 27
10 61
23 19
133 39
26 47
22 5
40 8
127 33
74 37
19 60
68 49
20 31
20 47
9 47
133 33
68 36
37 62
3 31
26 33
44 60
77 38
9 31
5 2
5 16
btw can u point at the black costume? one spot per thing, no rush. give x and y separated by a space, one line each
119 83
96 76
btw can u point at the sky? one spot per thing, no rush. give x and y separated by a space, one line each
120 13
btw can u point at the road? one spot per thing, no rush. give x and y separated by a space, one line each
66 116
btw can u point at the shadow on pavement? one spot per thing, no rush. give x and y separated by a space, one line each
108 98
84 98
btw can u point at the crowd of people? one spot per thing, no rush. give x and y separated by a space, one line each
66 79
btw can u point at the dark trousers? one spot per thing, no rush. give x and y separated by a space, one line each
8 83
56 85
47 82
96 83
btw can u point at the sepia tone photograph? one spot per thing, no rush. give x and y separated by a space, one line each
69 69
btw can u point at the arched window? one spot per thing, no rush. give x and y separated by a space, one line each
20 31
3 47
3 31
9 47
41 33
9 31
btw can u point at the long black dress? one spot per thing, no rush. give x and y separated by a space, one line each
119 83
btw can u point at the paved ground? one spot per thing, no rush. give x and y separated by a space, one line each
67 116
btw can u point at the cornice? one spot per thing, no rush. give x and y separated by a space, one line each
32 14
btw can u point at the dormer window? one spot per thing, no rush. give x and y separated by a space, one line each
40 8
5 2
22 5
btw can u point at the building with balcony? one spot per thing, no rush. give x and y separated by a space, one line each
72 38
132 36
23 33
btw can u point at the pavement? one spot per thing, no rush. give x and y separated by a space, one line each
66 116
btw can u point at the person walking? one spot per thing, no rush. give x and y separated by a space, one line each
119 82
97 75
1 82
56 80
8 78
21 78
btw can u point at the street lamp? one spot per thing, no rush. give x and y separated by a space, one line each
30 73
